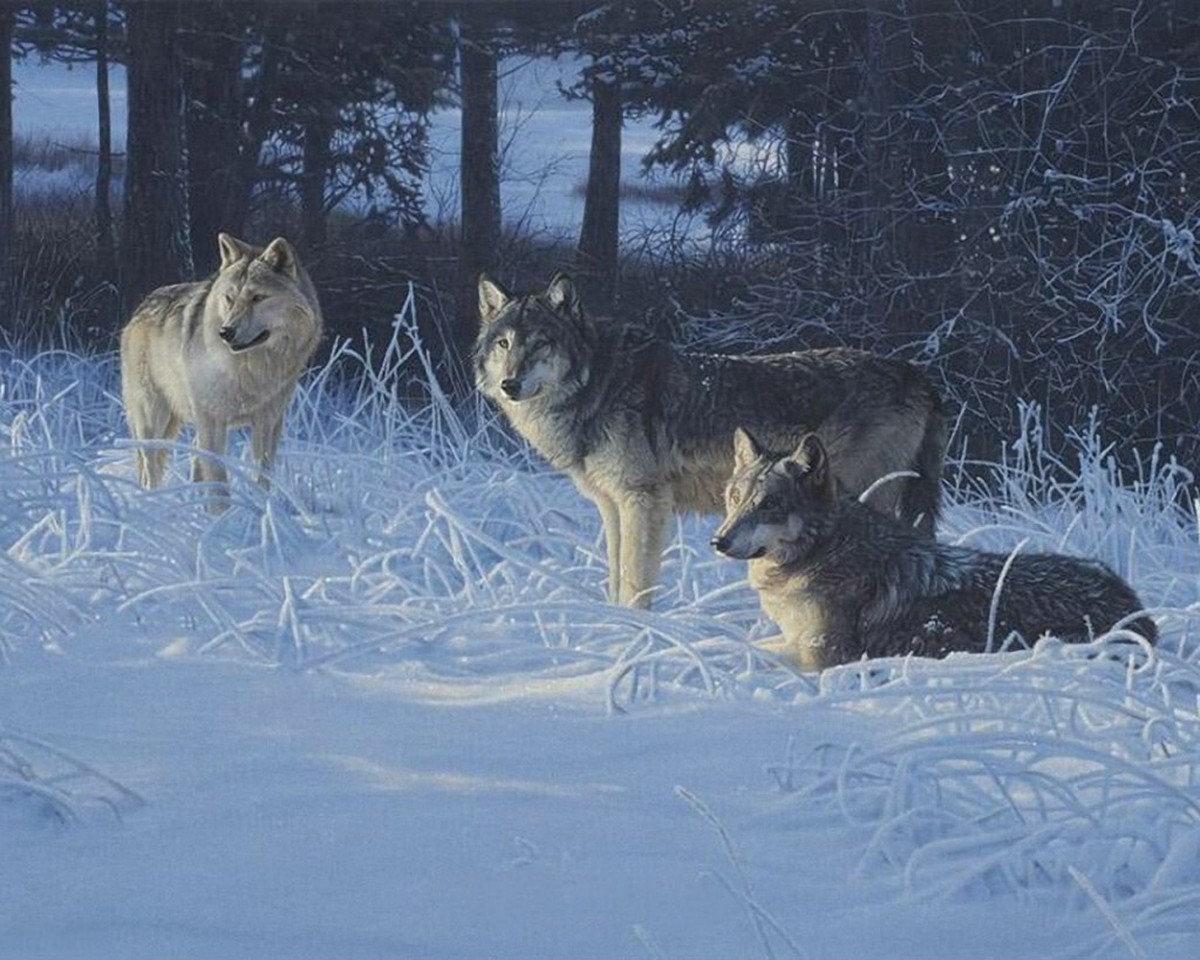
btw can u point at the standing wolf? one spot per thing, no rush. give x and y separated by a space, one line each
842 580
219 353
645 429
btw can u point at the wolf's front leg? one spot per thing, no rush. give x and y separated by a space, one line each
817 652
610 517
643 518
149 415
211 442
265 430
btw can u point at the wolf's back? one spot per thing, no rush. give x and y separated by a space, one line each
174 309
878 414
787 394
1070 597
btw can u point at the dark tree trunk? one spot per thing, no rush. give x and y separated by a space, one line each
794 202
156 246
106 254
598 238
263 88
212 83
480 175
7 227
318 135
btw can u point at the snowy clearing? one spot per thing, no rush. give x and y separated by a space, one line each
385 712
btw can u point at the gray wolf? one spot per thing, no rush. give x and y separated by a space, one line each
645 429
843 581
219 353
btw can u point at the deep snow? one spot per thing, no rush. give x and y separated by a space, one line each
386 712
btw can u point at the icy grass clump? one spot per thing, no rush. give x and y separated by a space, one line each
1082 503
1074 767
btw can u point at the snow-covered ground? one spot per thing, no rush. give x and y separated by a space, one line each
386 712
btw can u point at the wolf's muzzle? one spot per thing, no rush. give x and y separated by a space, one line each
725 546
229 333
511 387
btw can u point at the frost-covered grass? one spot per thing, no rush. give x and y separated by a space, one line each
415 547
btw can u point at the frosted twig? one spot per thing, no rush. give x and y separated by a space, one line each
1107 912
994 609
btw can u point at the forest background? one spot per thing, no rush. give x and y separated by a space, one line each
1004 193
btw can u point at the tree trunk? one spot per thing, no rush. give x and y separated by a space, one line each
215 110
599 236
7 227
480 175
156 245
263 89
106 254
318 134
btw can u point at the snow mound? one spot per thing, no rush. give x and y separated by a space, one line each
41 785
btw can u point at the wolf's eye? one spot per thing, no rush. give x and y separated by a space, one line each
735 497
258 298
229 297
503 343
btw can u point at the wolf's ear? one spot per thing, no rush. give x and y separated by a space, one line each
562 295
232 250
281 257
810 462
745 448
492 298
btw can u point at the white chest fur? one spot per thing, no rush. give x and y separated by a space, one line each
550 433
800 616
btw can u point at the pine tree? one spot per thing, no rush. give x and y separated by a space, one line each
156 240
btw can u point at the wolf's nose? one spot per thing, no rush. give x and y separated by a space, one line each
720 544
511 387
226 333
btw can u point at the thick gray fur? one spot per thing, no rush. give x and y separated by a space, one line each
843 581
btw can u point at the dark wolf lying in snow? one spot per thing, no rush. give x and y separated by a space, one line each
645 429
843 581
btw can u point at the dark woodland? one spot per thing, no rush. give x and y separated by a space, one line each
1007 193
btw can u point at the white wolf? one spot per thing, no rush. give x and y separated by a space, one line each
219 353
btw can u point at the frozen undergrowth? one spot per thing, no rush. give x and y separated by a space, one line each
405 537
1070 766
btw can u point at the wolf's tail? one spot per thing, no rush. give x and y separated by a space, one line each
921 501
